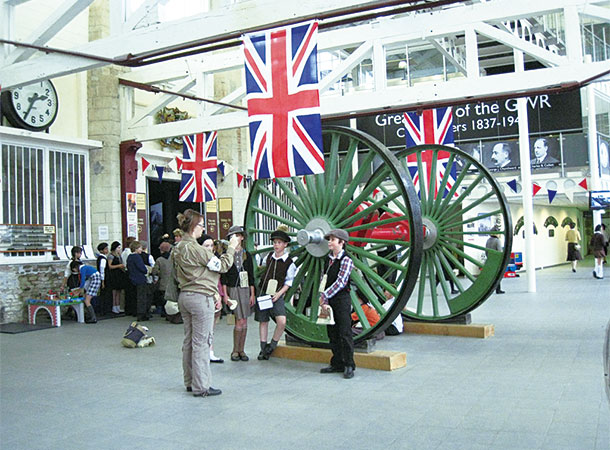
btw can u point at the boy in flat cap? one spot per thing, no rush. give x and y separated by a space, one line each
335 294
277 279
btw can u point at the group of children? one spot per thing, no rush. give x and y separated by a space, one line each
238 285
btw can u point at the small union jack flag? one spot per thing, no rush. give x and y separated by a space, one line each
433 126
283 102
199 166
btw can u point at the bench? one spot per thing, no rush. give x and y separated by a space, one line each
53 308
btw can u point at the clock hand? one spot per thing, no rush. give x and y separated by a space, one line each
31 99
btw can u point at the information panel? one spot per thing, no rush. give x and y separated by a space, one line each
27 238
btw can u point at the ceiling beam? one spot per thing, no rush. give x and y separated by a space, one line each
229 22
424 95
504 37
50 27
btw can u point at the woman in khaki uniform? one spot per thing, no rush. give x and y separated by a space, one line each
573 238
197 272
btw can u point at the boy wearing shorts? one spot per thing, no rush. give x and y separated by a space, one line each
277 279
90 283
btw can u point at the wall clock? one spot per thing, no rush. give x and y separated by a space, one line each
33 107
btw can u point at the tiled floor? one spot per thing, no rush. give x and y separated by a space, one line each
538 383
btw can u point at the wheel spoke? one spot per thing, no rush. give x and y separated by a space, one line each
284 206
432 194
454 205
433 295
366 211
471 245
384 242
367 226
462 211
480 233
366 191
290 223
399 204
346 198
443 185
344 174
370 292
366 270
303 269
441 275
294 198
441 257
447 249
422 285
447 199
422 182
303 194
473 219
331 170
380 259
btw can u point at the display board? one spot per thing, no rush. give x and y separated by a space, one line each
27 238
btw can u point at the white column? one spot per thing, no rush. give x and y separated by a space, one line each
472 53
526 181
592 143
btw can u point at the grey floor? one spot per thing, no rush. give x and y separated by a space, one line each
538 383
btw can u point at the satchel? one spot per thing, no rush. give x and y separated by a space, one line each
172 291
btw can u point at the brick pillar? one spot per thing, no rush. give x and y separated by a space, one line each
104 124
233 147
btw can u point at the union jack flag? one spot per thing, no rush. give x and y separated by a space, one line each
199 165
433 126
283 102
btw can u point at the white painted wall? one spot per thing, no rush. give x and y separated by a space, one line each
550 251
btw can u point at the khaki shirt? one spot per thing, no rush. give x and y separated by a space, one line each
572 236
191 261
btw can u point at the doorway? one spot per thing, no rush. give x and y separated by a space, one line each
163 207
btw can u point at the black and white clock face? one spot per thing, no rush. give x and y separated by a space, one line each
33 107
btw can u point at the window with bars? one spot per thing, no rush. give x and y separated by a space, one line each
44 186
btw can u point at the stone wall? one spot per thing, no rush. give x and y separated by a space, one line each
104 124
23 281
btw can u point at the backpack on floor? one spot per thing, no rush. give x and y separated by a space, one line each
136 336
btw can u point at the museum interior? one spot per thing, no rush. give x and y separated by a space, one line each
457 151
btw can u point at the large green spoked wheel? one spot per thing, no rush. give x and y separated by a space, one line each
461 206
346 196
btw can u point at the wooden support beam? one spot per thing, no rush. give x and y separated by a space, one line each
473 330
377 360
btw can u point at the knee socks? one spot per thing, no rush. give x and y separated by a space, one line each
242 339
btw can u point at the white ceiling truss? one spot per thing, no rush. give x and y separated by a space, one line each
476 41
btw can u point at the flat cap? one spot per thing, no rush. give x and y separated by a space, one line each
338 233
236 229
279 234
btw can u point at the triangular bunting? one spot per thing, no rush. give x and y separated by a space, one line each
513 185
240 177
570 195
145 164
375 192
583 184
172 166
535 188
179 164
221 167
552 194
160 170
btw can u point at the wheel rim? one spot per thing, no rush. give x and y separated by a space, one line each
342 198
454 236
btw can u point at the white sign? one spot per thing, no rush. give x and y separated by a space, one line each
102 232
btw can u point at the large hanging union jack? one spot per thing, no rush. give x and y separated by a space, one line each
283 102
433 126
199 168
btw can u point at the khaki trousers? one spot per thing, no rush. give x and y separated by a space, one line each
198 315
